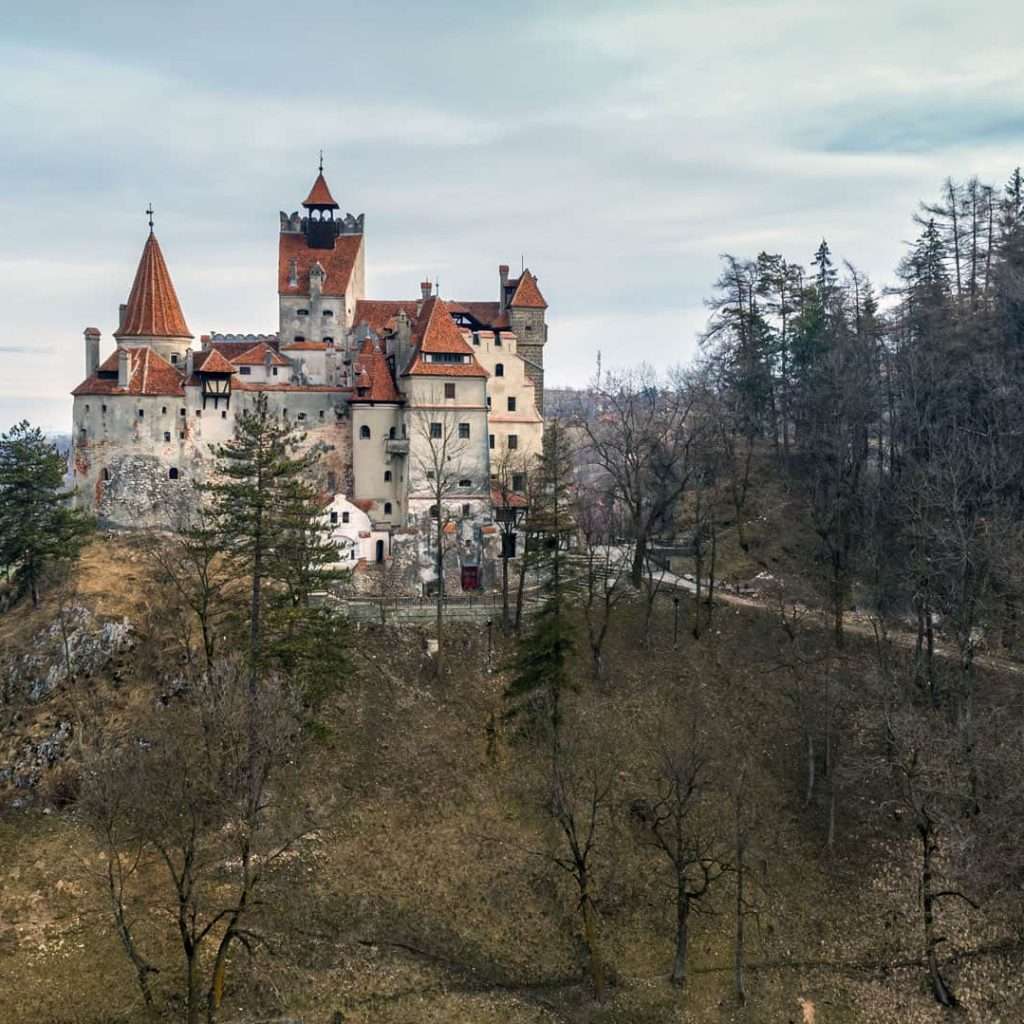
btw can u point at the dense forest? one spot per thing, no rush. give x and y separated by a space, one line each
740 738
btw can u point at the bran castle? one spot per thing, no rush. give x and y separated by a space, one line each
397 391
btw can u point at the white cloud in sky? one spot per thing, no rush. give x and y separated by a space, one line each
621 148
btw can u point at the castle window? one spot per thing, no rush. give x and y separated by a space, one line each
391 434
328 312
167 435
465 483
511 405
364 432
387 508
332 481
497 339
345 517
245 371
106 473
513 441
182 435
433 512
302 312
430 474
449 391
274 371
387 476
465 510
464 431
490 441
499 369
518 481
87 408
163 410
435 430
82 434
321 414
328 341
182 412
334 519
172 473
142 413
529 327
103 408
301 416
476 338
199 412
488 401
300 337
223 414
174 359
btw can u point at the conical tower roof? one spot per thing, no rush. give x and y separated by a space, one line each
320 194
153 310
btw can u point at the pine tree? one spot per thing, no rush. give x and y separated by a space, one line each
275 536
541 665
37 525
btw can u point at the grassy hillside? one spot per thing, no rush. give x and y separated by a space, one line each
425 895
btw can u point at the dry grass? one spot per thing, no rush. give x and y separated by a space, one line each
421 898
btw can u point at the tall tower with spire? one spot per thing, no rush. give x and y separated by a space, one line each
320 274
152 316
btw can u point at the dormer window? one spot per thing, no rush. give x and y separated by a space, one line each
174 358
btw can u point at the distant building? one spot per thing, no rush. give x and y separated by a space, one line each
377 381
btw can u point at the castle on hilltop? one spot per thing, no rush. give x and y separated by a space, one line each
379 382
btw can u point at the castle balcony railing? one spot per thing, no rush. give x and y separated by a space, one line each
397 446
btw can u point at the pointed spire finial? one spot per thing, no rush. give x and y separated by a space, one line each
321 161
149 214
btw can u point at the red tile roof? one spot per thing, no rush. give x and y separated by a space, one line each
212 361
436 334
148 374
245 384
373 380
152 309
512 499
527 293
320 194
257 355
337 262
377 313
306 346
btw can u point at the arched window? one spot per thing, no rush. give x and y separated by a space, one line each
433 512
499 369
300 337
391 433
172 473
387 508
387 476
364 432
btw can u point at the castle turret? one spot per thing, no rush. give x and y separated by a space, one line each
152 316
526 316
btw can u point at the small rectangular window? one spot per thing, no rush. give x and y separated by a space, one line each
301 416
435 430
344 517
142 413
449 391
167 435
103 408
488 401
245 371
464 431
490 441
513 441
465 510
199 412
182 412
87 408
511 405
334 519
518 481
163 410
223 414
274 371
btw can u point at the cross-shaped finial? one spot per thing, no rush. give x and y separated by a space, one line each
149 214
321 161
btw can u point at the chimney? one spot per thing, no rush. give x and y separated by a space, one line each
92 351
425 289
190 363
503 285
120 314
268 358
123 363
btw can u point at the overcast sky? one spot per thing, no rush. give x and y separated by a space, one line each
618 148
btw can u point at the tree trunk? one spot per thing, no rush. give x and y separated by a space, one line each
597 975
739 958
636 572
439 663
942 992
682 936
810 769
505 623
709 600
192 1000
